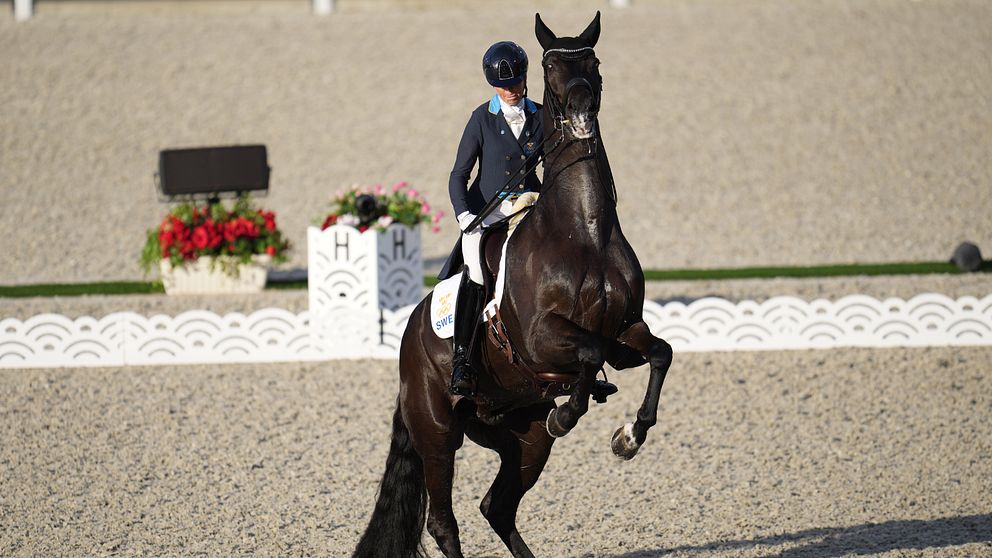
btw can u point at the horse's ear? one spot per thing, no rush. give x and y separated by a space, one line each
591 34
544 35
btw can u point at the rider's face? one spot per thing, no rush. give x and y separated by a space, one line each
513 94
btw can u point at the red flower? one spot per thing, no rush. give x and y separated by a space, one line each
165 252
213 233
250 228
270 221
363 228
166 238
201 238
230 231
331 219
188 250
270 250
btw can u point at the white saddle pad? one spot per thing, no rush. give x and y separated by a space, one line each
444 298
443 307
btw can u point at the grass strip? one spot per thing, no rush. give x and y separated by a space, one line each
847 270
80 289
917 268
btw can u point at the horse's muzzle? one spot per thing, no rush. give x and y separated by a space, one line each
581 107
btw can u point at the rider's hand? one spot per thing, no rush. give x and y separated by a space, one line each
465 219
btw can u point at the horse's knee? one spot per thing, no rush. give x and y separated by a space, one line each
661 354
590 357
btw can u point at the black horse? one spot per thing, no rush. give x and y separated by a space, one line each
573 301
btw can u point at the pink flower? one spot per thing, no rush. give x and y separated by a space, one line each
377 189
398 186
412 194
425 208
437 217
436 229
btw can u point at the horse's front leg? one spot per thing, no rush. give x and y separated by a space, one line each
628 438
568 347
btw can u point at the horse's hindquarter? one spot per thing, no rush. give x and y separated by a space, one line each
424 360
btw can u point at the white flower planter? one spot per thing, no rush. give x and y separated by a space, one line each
353 278
203 276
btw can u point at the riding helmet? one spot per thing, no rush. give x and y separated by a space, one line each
505 64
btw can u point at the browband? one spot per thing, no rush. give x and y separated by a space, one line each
567 52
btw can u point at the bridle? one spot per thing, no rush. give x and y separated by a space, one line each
556 107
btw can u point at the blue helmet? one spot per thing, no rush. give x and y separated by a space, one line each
505 64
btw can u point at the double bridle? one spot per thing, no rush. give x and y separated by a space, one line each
557 107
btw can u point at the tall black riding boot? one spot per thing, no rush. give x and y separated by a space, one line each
468 308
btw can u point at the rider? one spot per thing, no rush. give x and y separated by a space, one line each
501 135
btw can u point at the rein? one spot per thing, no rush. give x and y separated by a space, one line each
536 158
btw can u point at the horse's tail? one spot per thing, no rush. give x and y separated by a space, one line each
401 506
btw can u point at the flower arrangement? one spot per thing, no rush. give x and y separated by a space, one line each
372 207
232 236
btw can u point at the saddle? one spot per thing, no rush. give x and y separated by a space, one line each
551 384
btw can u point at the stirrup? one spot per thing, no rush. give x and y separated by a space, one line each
601 390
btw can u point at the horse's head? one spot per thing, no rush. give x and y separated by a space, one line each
572 84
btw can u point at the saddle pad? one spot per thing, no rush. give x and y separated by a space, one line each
525 200
443 307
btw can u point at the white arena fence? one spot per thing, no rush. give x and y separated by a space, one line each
362 288
276 335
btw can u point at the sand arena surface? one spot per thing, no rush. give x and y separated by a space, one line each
791 454
740 133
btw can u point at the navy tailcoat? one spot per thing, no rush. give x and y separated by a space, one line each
488 140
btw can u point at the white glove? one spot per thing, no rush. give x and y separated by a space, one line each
465 219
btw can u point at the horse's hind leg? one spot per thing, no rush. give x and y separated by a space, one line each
628 438
522 458
439 473
437 441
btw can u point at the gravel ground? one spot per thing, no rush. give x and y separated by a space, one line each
816 454
770 132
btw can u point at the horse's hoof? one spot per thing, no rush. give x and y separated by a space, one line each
554 428
624 444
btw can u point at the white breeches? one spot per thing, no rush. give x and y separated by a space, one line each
470 242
